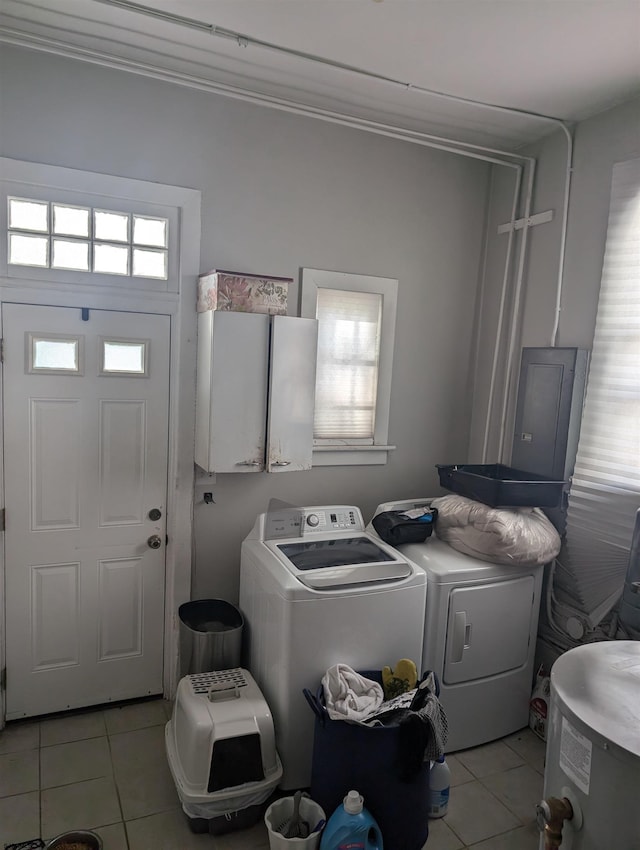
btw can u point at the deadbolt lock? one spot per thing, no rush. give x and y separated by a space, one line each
155 514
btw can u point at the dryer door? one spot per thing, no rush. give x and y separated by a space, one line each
488 629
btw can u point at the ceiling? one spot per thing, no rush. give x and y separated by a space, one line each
567 59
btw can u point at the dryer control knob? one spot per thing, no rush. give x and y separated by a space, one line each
313 520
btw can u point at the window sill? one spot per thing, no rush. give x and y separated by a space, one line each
351 455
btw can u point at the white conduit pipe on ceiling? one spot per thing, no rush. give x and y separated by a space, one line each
491 155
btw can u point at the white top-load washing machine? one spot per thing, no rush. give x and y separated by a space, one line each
479 636
317 589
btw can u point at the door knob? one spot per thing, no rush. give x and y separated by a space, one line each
154 542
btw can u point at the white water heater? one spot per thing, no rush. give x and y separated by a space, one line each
593 745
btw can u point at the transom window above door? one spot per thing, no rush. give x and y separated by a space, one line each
59 236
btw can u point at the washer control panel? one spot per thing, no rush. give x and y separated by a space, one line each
342 518
285 521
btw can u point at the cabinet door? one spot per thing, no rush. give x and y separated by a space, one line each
292 386
232 391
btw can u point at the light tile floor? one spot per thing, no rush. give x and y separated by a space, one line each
106 770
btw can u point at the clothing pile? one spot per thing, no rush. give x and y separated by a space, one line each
401 700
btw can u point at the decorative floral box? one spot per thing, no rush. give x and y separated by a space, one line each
244 293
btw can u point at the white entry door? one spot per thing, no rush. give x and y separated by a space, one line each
86 395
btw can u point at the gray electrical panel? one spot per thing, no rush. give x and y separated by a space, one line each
548 412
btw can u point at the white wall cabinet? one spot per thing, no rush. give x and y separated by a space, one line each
255 392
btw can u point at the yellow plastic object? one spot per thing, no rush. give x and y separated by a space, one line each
403 678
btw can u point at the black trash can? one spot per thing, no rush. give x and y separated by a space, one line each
210 636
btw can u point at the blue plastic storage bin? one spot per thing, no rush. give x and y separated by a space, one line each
347 756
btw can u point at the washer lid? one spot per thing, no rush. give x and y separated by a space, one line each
341 560
328 578
337 551
600 684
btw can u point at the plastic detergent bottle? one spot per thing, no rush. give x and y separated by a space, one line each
439 782
351 827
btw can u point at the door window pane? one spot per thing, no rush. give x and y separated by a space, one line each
70 221
28 215
110 259
124 356
110 226
57 354
149 263
70 255
28 250
150 231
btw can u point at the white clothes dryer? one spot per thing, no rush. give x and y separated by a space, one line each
317 589
480 633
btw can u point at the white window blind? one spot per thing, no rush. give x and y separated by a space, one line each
356 331
605 489
347 372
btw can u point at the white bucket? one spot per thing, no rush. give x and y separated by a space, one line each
280 811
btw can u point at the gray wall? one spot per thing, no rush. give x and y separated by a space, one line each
281 192
599 142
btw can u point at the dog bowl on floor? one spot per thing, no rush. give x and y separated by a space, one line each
77 839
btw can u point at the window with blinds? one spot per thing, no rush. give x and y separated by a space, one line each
605 489
356 327
349 325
